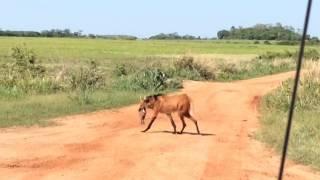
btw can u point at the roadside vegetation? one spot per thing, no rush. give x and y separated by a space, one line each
46 78
30 93
305 137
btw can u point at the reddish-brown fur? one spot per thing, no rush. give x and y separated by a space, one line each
167 105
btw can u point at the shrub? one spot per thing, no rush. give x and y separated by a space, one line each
308 95
273 55
291 43
86 77
24 74
150 79
25 62
84 80
266 42
227 71
311 54
186 67
158 77
253 68
121 70
153 79
186 62
313 41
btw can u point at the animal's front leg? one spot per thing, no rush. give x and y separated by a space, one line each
150 124
172 123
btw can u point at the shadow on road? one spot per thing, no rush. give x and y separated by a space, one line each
185 133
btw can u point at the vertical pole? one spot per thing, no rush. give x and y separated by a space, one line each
294 92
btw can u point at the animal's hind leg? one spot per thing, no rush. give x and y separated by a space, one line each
183 123
194 121
173 124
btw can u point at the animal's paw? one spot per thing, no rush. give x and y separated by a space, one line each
145 130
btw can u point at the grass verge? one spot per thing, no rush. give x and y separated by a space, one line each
305 137
36 109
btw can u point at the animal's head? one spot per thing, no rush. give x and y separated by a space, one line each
142 110
146 102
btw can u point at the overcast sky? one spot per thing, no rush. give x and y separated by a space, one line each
144 18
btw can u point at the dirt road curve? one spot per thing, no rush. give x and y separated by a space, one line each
109 145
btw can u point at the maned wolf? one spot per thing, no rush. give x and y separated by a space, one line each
161 103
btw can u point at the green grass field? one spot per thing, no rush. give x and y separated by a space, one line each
53 50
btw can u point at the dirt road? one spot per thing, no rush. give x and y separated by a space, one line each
109 145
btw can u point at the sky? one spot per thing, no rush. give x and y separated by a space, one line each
144 18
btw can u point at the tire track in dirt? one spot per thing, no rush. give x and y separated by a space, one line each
109 145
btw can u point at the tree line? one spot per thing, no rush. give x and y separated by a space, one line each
62 33
79 34
262 32
257 32
44 33
173 36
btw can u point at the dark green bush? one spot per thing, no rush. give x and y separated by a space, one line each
152 79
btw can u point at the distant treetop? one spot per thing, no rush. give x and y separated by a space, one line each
173 36
261 32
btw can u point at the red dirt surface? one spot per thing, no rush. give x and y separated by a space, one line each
109 145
